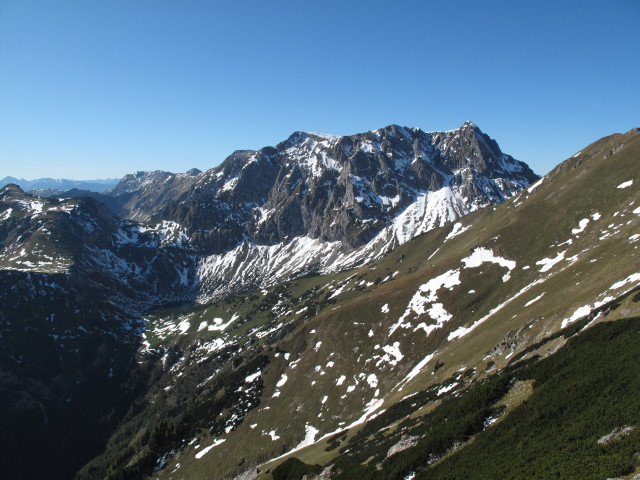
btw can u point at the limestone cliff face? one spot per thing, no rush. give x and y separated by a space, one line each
335 189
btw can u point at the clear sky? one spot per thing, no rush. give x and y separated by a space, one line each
102 88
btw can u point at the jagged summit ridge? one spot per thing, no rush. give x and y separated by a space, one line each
331 188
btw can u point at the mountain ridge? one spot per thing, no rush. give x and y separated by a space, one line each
363 157
315 193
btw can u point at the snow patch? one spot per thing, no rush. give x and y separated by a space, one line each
392 351
273 435
425 295
634 277
310 433
456 230
252 377
535 185
282 381
530 302
482 255
204 451
578 314
446 389
581 226
548 263
219 325
184 326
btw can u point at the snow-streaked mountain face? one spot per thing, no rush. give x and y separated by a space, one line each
131 264
356 196
313 203
344 189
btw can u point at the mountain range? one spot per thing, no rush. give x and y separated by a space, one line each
55 186
313 203
374 305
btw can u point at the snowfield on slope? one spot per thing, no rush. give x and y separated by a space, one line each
425 299
263 265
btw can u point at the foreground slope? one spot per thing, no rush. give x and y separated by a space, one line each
564 416
303 366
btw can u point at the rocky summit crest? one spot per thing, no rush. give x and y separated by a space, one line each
367 192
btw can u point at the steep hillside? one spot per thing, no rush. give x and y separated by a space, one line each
565 416
72 289
305 366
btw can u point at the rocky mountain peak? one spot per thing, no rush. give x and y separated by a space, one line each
468 124
136 181
10 189
299 137
288 190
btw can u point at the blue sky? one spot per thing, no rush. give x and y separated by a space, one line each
96 89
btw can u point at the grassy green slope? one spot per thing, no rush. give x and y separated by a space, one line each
336 353
577 400
529 228
555 432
